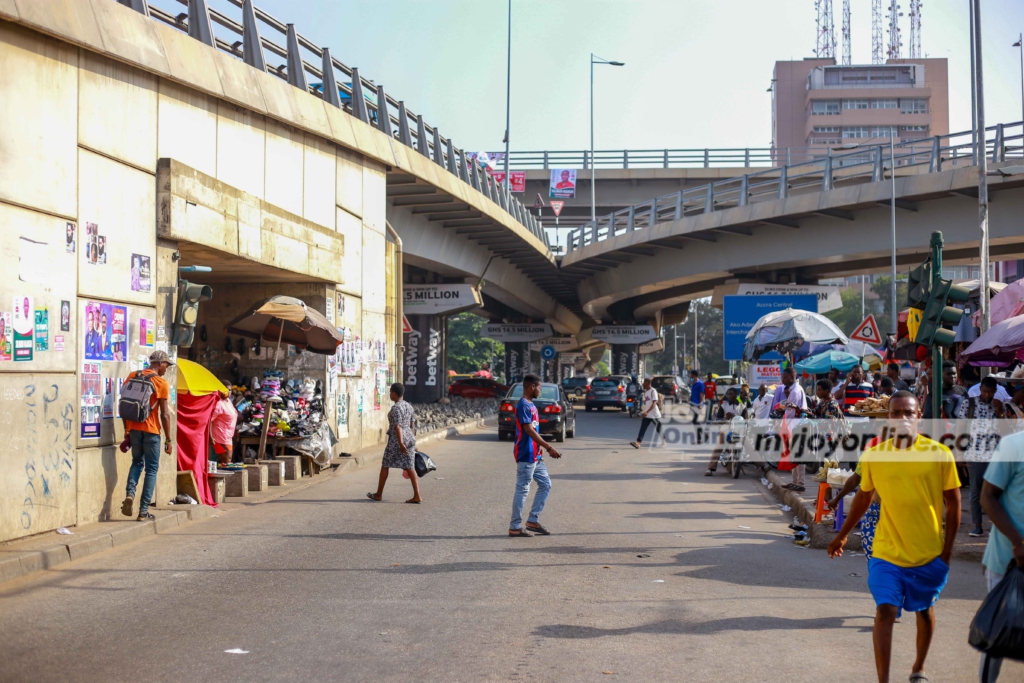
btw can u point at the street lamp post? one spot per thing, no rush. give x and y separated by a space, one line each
982 163
1020 44
593 167
508 93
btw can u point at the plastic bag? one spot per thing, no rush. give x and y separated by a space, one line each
998 627
424 464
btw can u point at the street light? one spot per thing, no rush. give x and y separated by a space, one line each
1020 44
593 167
508 93
892 226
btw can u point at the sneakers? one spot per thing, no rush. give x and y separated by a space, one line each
148 517
127 505
977 532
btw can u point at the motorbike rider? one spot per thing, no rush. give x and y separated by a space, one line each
633 392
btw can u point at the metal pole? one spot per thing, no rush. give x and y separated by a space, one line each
936 390
862 316
1020 44
508 93
675 348
982 169
696 339
593 168
974 100
892 229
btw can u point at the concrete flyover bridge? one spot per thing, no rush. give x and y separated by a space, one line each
797 223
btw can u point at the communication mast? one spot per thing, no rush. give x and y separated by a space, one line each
826 39
877 51
895 43
915 29
846 33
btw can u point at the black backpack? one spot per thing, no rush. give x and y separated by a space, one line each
136 396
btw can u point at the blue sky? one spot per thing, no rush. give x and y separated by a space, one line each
695 76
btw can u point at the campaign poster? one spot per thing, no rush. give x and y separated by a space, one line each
101 244
99 319
141 280
91 250
118 339
6 346
147 332
23 323
69 237
42 325
91 399
516 181
65 316
563 183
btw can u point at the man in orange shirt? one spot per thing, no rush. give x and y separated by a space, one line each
145 436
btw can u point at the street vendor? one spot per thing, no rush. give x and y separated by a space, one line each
222 428
854 389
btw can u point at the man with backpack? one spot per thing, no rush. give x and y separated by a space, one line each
143 408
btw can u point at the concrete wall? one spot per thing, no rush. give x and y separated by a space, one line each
81 139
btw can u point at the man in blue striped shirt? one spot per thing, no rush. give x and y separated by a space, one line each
854 389
530 463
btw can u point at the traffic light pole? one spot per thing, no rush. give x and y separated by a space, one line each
936 244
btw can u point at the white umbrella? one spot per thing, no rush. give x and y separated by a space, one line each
789 329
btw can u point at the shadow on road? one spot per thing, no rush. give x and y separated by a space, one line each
678 627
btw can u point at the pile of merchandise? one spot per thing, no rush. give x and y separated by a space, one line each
297 406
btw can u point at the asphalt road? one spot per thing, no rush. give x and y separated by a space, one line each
654 573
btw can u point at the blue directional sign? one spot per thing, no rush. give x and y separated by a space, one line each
742 311
548 352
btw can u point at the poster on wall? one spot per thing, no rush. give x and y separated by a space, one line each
147 332
6 346
109 393
380 386
329 307
563 183
361 396
106 335
342 408
141 281
91 399
42 325
24 328
69 237
65 316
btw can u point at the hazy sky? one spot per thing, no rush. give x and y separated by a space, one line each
695 76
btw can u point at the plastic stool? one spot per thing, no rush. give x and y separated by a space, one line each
819 506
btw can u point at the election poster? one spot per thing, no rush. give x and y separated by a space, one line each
563 183
24 328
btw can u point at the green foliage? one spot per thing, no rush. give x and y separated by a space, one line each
848 317
711 345
881 288
601 369
467 352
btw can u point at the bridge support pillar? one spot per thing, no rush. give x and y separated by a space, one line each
425 354
625 359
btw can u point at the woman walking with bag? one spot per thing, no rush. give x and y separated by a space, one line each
400 451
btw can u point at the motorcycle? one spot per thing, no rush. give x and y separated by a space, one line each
632 406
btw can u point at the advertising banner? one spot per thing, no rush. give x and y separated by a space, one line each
624 334
438 299
517 183
742 311
24 328
652 346
424 359
559 343
829 298
512 332
625 359
562 184
764 374
517 361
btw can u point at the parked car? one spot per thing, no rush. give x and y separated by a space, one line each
477 387
557 415
576 387
607 392
671 387
725 382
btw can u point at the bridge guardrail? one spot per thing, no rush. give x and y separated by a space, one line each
360 97
824 172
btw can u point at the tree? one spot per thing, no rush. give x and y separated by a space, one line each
849 316
881 287
711 344
467 352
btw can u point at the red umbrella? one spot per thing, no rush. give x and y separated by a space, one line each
999 346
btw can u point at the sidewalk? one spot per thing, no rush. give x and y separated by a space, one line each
27 556
965 548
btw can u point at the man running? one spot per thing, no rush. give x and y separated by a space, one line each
915 478
529 462
696 399
651 414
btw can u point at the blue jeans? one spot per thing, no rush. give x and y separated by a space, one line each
525 471
145 453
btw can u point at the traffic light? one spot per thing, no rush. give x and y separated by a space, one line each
187 311
938 315
918 285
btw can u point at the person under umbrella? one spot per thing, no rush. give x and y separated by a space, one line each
400 451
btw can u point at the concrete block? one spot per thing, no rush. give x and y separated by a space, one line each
284 166
46 558
237 484
131 532
320 167
197 512
292 466
10 567
275 472
239 81
258 477
89 545
217 487
165 522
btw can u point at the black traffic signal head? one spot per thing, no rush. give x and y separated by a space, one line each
187 311
939 316
918 285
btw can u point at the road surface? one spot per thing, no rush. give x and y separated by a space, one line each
654 573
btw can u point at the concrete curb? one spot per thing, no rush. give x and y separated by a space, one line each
15 563
820 534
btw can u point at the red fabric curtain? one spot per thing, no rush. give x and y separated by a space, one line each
194 413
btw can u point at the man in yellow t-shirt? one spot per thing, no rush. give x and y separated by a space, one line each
915 477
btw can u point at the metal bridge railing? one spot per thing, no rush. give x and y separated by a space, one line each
824 172
336 83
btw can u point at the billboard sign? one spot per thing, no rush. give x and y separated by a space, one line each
563 183
764 373
559 343
623 334
829 298
439 299
743 311
653 346
511 332
517 182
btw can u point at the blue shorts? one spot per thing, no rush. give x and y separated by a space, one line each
914 589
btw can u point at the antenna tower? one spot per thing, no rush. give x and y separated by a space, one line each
915 29
826 39
877 51
895 44
846 33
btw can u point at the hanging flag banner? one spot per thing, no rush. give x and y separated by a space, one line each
563 183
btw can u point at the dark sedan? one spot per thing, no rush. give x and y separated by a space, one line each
607 392
557 415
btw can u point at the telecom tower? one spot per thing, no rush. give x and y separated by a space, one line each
877 51
895 44
826 46
846 33
915 29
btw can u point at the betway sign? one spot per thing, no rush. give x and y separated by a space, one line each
423 360
439 299
623 334
515 333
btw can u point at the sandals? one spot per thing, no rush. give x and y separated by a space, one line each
126 506
519 533
414 502
918 677
373 497
538 529
709 473
634 444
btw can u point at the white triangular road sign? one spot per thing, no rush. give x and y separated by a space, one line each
867 332
406 327
556 206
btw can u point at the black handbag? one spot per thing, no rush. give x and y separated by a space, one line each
424 464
